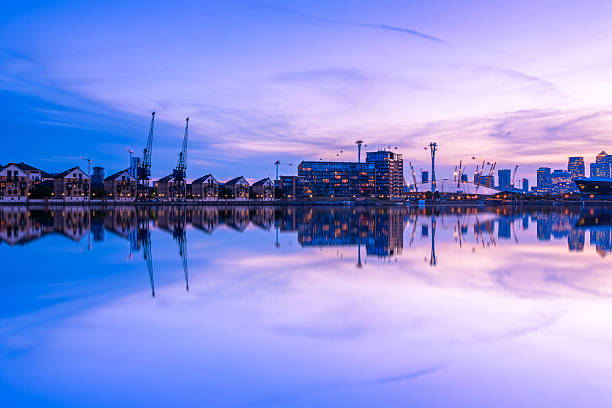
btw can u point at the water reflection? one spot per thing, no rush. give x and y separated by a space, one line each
386 304
379 230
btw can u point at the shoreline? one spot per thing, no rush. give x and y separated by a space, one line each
303 203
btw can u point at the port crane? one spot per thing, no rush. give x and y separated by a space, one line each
143 172
180 172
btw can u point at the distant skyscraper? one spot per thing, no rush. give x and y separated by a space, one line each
562 182
525 185
575 166
505 176
601 167
133 169
424 176
97 177
544 180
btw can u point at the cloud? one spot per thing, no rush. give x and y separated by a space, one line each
383 27
329 74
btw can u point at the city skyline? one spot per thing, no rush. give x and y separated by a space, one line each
283 81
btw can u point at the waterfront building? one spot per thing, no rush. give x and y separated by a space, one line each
425 176
14 183
72 185
601 167
562 182
120 186
525 183
205 188
292 186
544 180
337 179
169 188
263 189
388 173
505 179
575 166
236 188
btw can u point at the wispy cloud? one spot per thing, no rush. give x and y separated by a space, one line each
329 74
375 26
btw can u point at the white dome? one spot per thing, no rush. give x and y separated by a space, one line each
450 186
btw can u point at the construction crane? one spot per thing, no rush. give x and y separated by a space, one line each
459 174
514 176
491 171
144 167
414 180
180 172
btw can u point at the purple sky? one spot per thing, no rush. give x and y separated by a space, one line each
525 84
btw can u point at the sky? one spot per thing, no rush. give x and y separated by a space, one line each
522 83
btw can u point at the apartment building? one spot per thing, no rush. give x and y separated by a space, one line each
72 185
120 186
205 188
263 189
237 188
18 179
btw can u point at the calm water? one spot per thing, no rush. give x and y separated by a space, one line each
306 307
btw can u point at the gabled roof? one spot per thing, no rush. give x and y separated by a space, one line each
261 182
165 179
117 174
26 167
235 181
203 179
65 173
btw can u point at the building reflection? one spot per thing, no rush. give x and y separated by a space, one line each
372 231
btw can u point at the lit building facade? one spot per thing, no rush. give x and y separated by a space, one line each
505 179
337 179
72 185
292 187
544 181
562 182
388 173
575 166
120 186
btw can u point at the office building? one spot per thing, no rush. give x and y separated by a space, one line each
505 179
544 181
292 187
601 167
337 179
575 166
424 176
562 182
525 184
388 173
